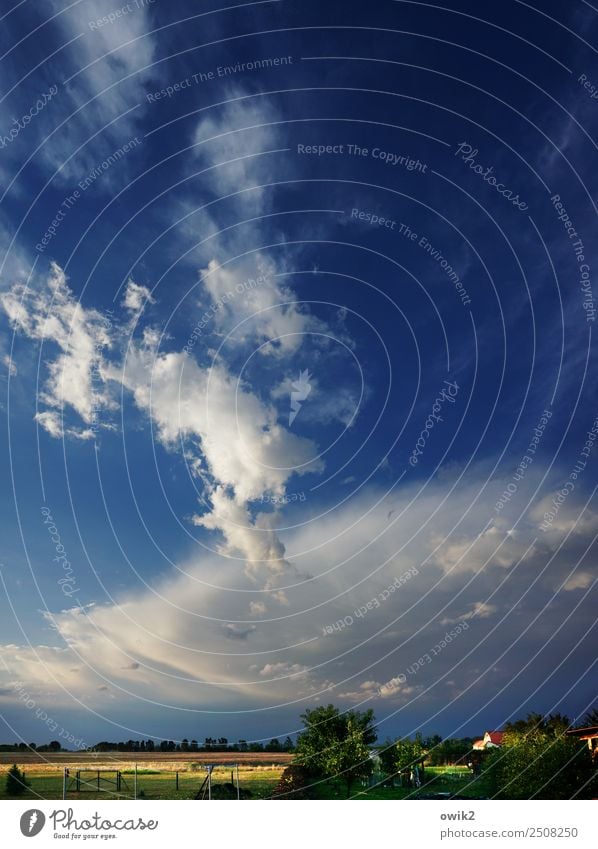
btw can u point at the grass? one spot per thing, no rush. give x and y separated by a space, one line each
158 781
454 780
46 782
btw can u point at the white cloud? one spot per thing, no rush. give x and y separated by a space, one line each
10 366
112 81
393 687
232 133
229 434
579 581
555 518
136 297
494 545
479 609
282 670
255 306
187 640
250 538
53 316
244 446
51 422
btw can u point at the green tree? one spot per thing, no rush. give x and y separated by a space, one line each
16 783
335 744
449 751
552 726
388 756
402 755
538 760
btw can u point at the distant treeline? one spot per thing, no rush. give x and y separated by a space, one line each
210 744
439 751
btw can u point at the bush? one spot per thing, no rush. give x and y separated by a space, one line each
229 791
16 783
538 767
294 784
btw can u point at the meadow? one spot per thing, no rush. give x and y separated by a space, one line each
157 778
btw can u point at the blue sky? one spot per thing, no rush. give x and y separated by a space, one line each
297 308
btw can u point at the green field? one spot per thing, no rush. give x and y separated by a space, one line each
46 782
159 782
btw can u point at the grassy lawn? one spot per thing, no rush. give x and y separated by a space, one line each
453 780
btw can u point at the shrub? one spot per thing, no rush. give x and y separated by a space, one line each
16 783
539 767
229 791
293 784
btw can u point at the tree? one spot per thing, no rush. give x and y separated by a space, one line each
591 718
350 757
387 755
538 760
273 745
553 725
449 751
335 744
16 783
402 756
288 745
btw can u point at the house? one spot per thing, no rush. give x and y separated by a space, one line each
493 739
490 740
590 733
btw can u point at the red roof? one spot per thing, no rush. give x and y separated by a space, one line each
494 737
